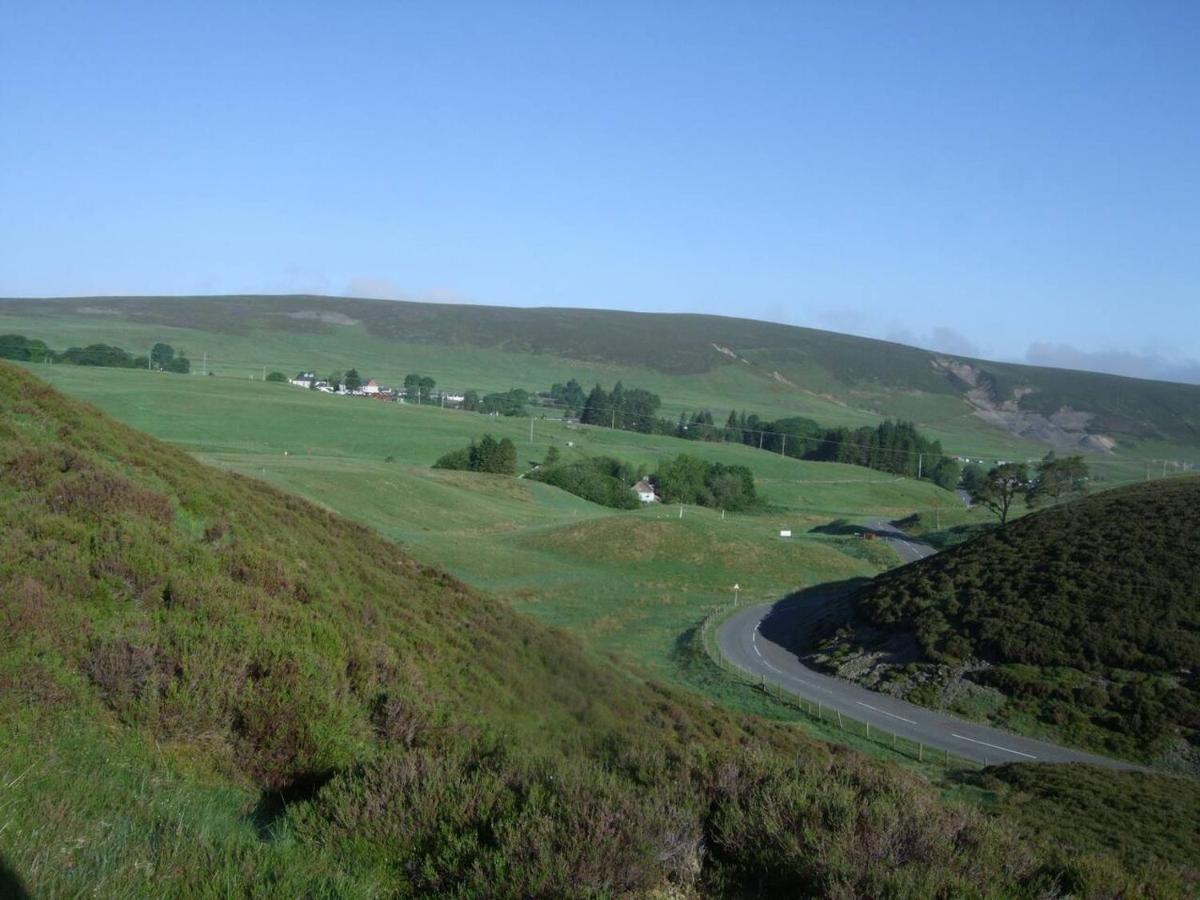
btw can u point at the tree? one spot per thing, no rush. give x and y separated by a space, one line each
161 355
1057 479
352 381
972 475
596 409
471 401
552 456
276 377
946 472
335 380
412 386
426 385
17 346
1001 488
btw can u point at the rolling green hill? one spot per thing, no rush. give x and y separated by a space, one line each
975 407
213 687
1083 619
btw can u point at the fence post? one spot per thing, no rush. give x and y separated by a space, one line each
920 752
839 715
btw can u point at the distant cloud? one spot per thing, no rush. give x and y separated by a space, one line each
1117 362
942 338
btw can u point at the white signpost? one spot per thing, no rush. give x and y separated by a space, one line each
736 590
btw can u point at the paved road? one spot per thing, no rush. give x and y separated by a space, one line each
758 638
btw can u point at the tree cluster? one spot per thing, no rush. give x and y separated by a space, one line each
688 479
162 358
630 409
418 388
498 457
600 479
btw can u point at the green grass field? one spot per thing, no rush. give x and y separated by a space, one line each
811 389
630 583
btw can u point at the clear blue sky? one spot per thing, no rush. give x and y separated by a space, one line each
971 176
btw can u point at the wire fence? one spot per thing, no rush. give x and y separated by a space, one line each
815 711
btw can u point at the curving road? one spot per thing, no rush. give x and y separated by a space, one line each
757 639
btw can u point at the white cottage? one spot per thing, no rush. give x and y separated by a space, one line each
645 491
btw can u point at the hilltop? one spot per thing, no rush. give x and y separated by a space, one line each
1082 621
1061 407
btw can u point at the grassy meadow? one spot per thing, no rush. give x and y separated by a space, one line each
830 396
630 583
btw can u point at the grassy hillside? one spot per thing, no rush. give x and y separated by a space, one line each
211 686
1082 619
508 535
692 361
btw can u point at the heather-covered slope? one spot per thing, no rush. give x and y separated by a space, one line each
208 686
1083 618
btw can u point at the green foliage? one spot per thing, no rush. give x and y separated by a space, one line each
176 640
1058 479
1002 488
946 473
1107 588
277 377
498 457
688 479
509 403
23 349
352 381
1090 809
600 479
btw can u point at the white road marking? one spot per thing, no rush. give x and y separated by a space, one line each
993 746
885 712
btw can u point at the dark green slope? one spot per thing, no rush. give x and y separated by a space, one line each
1088 615
856 368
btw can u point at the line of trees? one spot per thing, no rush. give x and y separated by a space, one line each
162 358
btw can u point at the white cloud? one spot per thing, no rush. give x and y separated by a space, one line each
1146 364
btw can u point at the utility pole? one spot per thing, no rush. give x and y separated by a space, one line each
613 426
760 439
264 373
920 465
783 446
204 368
681 510
531 429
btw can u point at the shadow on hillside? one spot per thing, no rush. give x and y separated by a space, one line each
272 804
800 618
10 883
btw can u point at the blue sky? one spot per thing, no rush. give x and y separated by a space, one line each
1018 180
